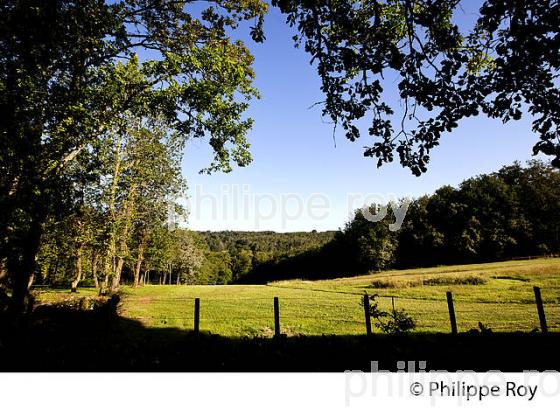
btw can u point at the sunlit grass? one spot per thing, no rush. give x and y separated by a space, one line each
504 301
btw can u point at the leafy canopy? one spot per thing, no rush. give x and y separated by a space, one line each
505 66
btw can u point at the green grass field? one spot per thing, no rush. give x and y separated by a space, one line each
500 295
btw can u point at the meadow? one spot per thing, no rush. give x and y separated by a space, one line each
499 295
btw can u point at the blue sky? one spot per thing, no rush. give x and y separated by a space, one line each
296 165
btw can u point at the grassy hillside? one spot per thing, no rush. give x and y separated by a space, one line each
500 295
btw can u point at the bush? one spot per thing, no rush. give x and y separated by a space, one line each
394 322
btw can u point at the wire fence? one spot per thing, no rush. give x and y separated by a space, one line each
338 313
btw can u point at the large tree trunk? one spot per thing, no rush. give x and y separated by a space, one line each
106 272
22 123
31 280
78 277
140 257
139 260
109 265
23 268
123 246
105 283
117 276
94 260
137 270
55 270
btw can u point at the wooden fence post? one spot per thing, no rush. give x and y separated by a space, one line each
366 313
196 316
540 309
452 318
276 317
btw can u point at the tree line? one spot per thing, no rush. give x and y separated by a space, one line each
514 212
161 256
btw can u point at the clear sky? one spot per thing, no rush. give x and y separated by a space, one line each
299 180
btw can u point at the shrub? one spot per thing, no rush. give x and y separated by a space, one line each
394 322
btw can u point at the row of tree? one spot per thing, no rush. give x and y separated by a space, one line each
125 187
153 254
514 212
97 99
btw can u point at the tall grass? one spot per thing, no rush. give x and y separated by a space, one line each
428 281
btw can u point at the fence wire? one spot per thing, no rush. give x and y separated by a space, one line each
335 313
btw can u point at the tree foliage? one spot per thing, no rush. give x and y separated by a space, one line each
504 67
511 213
64 87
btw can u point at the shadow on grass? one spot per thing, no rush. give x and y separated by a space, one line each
55 339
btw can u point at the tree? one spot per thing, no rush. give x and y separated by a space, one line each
420 241
242 262
60 88
144 178
506 66
216 268
367 245
188 256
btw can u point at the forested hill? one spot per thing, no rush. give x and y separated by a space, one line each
511 213
265 244
232 255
